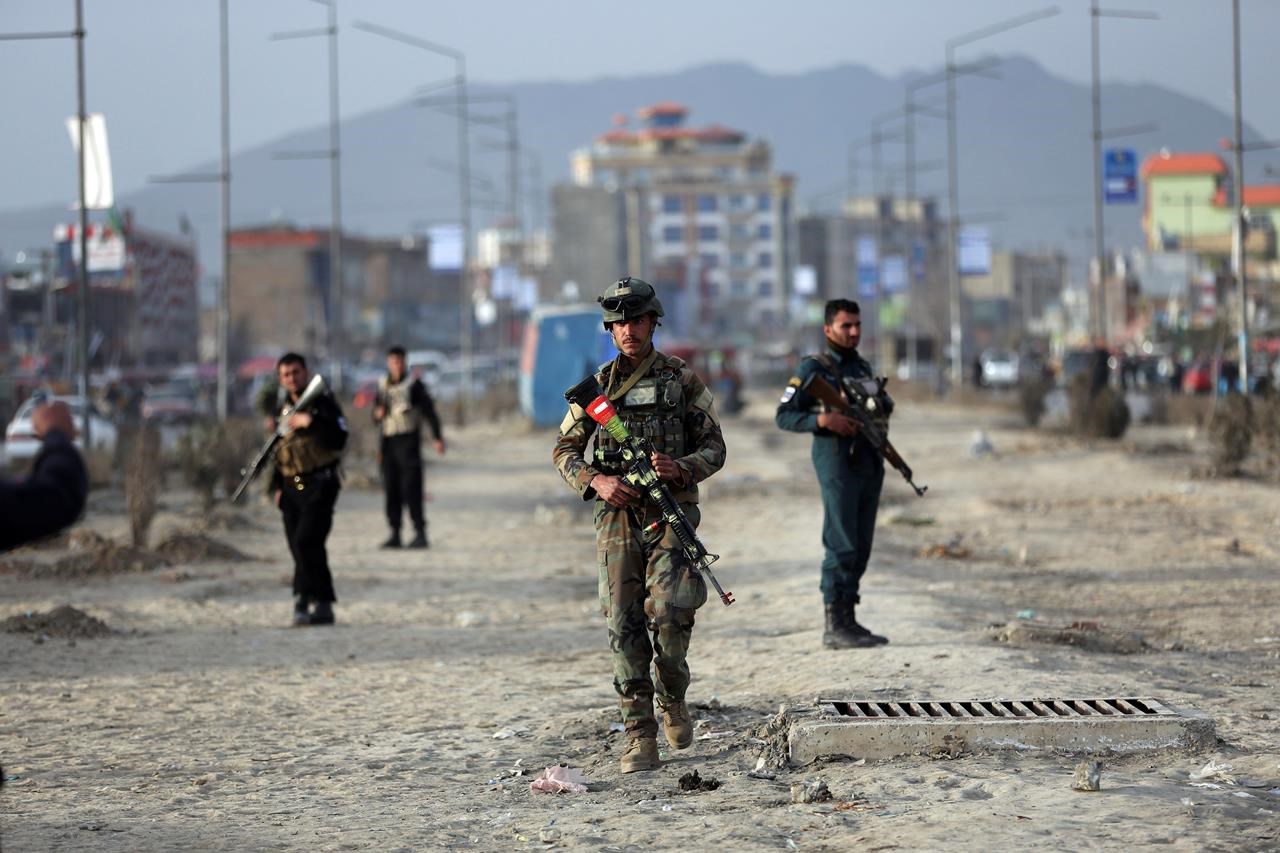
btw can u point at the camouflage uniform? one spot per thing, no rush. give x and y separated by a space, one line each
648 591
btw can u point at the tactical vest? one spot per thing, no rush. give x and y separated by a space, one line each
402 416
301 453
654 408
864 378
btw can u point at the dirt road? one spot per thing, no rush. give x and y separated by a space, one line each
455 675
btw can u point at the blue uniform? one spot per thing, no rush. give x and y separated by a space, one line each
850 475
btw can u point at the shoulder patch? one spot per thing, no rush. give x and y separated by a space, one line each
794 382
788 394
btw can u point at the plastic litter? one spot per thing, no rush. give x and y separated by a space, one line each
559 779
1214 772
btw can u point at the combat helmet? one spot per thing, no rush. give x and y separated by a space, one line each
628 298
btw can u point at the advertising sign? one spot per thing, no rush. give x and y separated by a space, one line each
867 263
973 250
1120 176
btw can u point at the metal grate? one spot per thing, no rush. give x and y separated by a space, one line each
1001 709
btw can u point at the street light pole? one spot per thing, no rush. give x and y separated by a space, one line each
1239 233
224 214
82 304
953 177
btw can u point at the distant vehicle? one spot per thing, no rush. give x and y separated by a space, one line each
1074 363
1198 378
170 404
21 443
999 368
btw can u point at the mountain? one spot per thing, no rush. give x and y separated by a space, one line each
1024 151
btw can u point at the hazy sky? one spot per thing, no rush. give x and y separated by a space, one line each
153 64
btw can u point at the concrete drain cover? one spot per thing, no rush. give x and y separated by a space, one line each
883 729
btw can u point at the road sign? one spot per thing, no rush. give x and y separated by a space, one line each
1120 176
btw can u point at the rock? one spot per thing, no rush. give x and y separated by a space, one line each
810 791
1088 776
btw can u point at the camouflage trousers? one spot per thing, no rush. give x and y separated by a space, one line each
648 592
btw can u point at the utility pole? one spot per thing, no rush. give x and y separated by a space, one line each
1239 233
82 304
224 214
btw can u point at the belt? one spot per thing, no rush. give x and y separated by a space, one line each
314 478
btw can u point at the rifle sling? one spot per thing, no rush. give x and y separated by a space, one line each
635 377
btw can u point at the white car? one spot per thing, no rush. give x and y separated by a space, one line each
999 369
21 444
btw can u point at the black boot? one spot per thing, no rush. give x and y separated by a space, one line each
420 539
323 614
837 634
876 639
393 541
300 614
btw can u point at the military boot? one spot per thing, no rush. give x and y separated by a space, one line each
393 541
641 754
676 723
858 629
300 614
838 634
420 539
323 614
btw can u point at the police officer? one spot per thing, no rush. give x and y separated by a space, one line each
850 473
648 590
402 405
306 487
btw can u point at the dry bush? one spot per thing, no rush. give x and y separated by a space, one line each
213 454
1231 434
101 466
1031 394
142 473
1266 432
1101 415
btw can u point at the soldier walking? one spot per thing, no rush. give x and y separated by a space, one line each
402 405
850 472
648 590
305 483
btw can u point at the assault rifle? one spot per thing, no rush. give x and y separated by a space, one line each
858 407
314 389
634 454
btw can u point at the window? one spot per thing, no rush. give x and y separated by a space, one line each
712 289
739 231
708 232
764 260
764 201
671 204
738 287
707 204
710 260
672 233
738 260
737 202
764 232
764 288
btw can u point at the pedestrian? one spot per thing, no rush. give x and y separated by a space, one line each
649 591
306 485
402 405
850 473
53 495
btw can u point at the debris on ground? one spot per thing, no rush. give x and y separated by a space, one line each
810 791
559 779
1214 772
951 549
65 622
693 782
761 771
1088 776
981 447
192 547
1090 636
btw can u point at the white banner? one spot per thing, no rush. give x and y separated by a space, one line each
99 194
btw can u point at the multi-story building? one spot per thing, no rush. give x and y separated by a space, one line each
281 294
701 206
1024 284
1189 205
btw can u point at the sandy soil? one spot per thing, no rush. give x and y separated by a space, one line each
455 675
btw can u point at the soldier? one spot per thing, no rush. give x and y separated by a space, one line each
648 590
402 404
850 473
306 484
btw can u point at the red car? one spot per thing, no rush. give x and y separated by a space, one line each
1198 378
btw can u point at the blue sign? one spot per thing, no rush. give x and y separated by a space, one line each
868 275
973 250
894 274
1120 176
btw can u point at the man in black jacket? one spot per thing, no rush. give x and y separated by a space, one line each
306 487
402 406
53 496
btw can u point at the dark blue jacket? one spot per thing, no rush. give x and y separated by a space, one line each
834 456
51 498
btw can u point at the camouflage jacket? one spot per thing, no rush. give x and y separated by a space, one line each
669 404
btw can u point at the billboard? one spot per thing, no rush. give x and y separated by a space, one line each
444 248
867 262
973 250
1120 176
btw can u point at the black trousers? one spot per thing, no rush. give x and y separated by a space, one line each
402 478
308 518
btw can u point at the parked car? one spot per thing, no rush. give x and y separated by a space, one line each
1198 378
999 368
21 443
170 404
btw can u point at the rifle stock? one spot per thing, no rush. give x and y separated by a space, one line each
314 389
822 390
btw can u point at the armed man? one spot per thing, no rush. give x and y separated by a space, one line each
649 590
305 483
402 405
850 471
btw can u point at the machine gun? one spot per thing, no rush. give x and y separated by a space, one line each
859 406
634 455
314 389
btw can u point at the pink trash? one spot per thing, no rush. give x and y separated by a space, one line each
558 779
